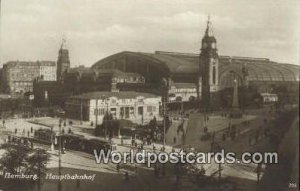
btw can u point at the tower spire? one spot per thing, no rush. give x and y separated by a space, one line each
209 30
63 61
209 65
63 42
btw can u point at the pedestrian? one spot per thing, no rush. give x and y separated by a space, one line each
157 172
174 140
126 176
223 137
78 183
27 133
256 136
177 179
202 171
16 130
135 168
163 170
205 129
31 129
118 167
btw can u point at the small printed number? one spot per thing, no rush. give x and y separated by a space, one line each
292 185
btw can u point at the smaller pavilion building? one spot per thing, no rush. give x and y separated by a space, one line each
137 107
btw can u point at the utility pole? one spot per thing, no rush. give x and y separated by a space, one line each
96 113
59 156
106 114
105 122
164 114
80 112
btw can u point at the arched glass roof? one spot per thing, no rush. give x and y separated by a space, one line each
265 70
259 69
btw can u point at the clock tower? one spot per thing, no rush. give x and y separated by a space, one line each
63 62
209 65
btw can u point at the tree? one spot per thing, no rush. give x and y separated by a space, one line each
153 127
108 126
19 158
13 160
37 160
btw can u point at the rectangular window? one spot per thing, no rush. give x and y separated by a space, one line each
126 112
131 110
140 110
102 111
149 109
122 112
153 109
113 111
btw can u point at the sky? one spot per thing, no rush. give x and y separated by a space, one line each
94 29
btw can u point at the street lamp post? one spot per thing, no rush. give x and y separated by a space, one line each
81 112
59 156
164 115
216 147
96 113
52 144
164 100
106 113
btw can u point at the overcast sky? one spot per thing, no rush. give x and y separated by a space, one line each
94 29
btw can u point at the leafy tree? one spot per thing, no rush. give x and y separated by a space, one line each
19 158
14 158
153 124
37 160
109 124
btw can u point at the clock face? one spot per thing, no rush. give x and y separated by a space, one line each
213 45
204 45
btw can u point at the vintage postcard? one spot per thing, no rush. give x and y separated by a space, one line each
137 95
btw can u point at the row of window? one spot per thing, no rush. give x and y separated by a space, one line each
185 90
23 83
124 111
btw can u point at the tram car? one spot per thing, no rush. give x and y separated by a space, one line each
80 143
71 141
20 140
44 136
